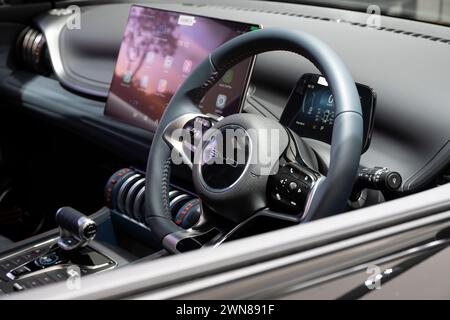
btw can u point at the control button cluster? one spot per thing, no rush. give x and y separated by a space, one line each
9 264
378 178
37 280
196 128
289 188
18 267
47 264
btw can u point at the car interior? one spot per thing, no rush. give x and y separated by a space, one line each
334 108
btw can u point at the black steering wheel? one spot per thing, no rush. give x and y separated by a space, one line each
238 191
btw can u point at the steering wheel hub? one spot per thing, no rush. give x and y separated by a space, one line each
238 155
225 157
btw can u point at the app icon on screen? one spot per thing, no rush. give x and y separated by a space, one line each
187 66
149 57
127 76
168 62
221 101
162 85
132 53
184 44
161 29
228 76
144 82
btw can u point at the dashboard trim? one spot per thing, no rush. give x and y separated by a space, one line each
52 26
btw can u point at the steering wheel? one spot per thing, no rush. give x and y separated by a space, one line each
237 191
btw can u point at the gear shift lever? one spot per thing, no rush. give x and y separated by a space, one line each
76 230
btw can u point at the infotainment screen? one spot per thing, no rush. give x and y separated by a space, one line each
310 109
158 52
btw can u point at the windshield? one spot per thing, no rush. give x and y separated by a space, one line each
433 11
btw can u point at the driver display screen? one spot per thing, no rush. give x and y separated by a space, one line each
310 109
158 52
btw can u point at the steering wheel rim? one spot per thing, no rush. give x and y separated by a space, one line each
347 135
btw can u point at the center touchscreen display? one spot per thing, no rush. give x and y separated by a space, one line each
159 50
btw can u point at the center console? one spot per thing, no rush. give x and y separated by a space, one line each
48 263
60 255
113 237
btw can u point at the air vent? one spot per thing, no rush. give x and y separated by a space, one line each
32 51
294 14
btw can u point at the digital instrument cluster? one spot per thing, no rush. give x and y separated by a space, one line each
310 109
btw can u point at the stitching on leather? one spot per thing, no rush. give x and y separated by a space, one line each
165 187
200 92
216 75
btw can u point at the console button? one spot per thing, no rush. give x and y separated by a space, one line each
44 279
20 271
58 275
30 255
3 276
7 265
31 282
18 260
18 287
48 259
37 251
293 186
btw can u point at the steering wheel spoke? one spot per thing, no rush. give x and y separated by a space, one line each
184 135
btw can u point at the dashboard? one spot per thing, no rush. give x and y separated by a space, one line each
410 132
107 84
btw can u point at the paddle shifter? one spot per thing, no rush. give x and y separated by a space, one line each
76 230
